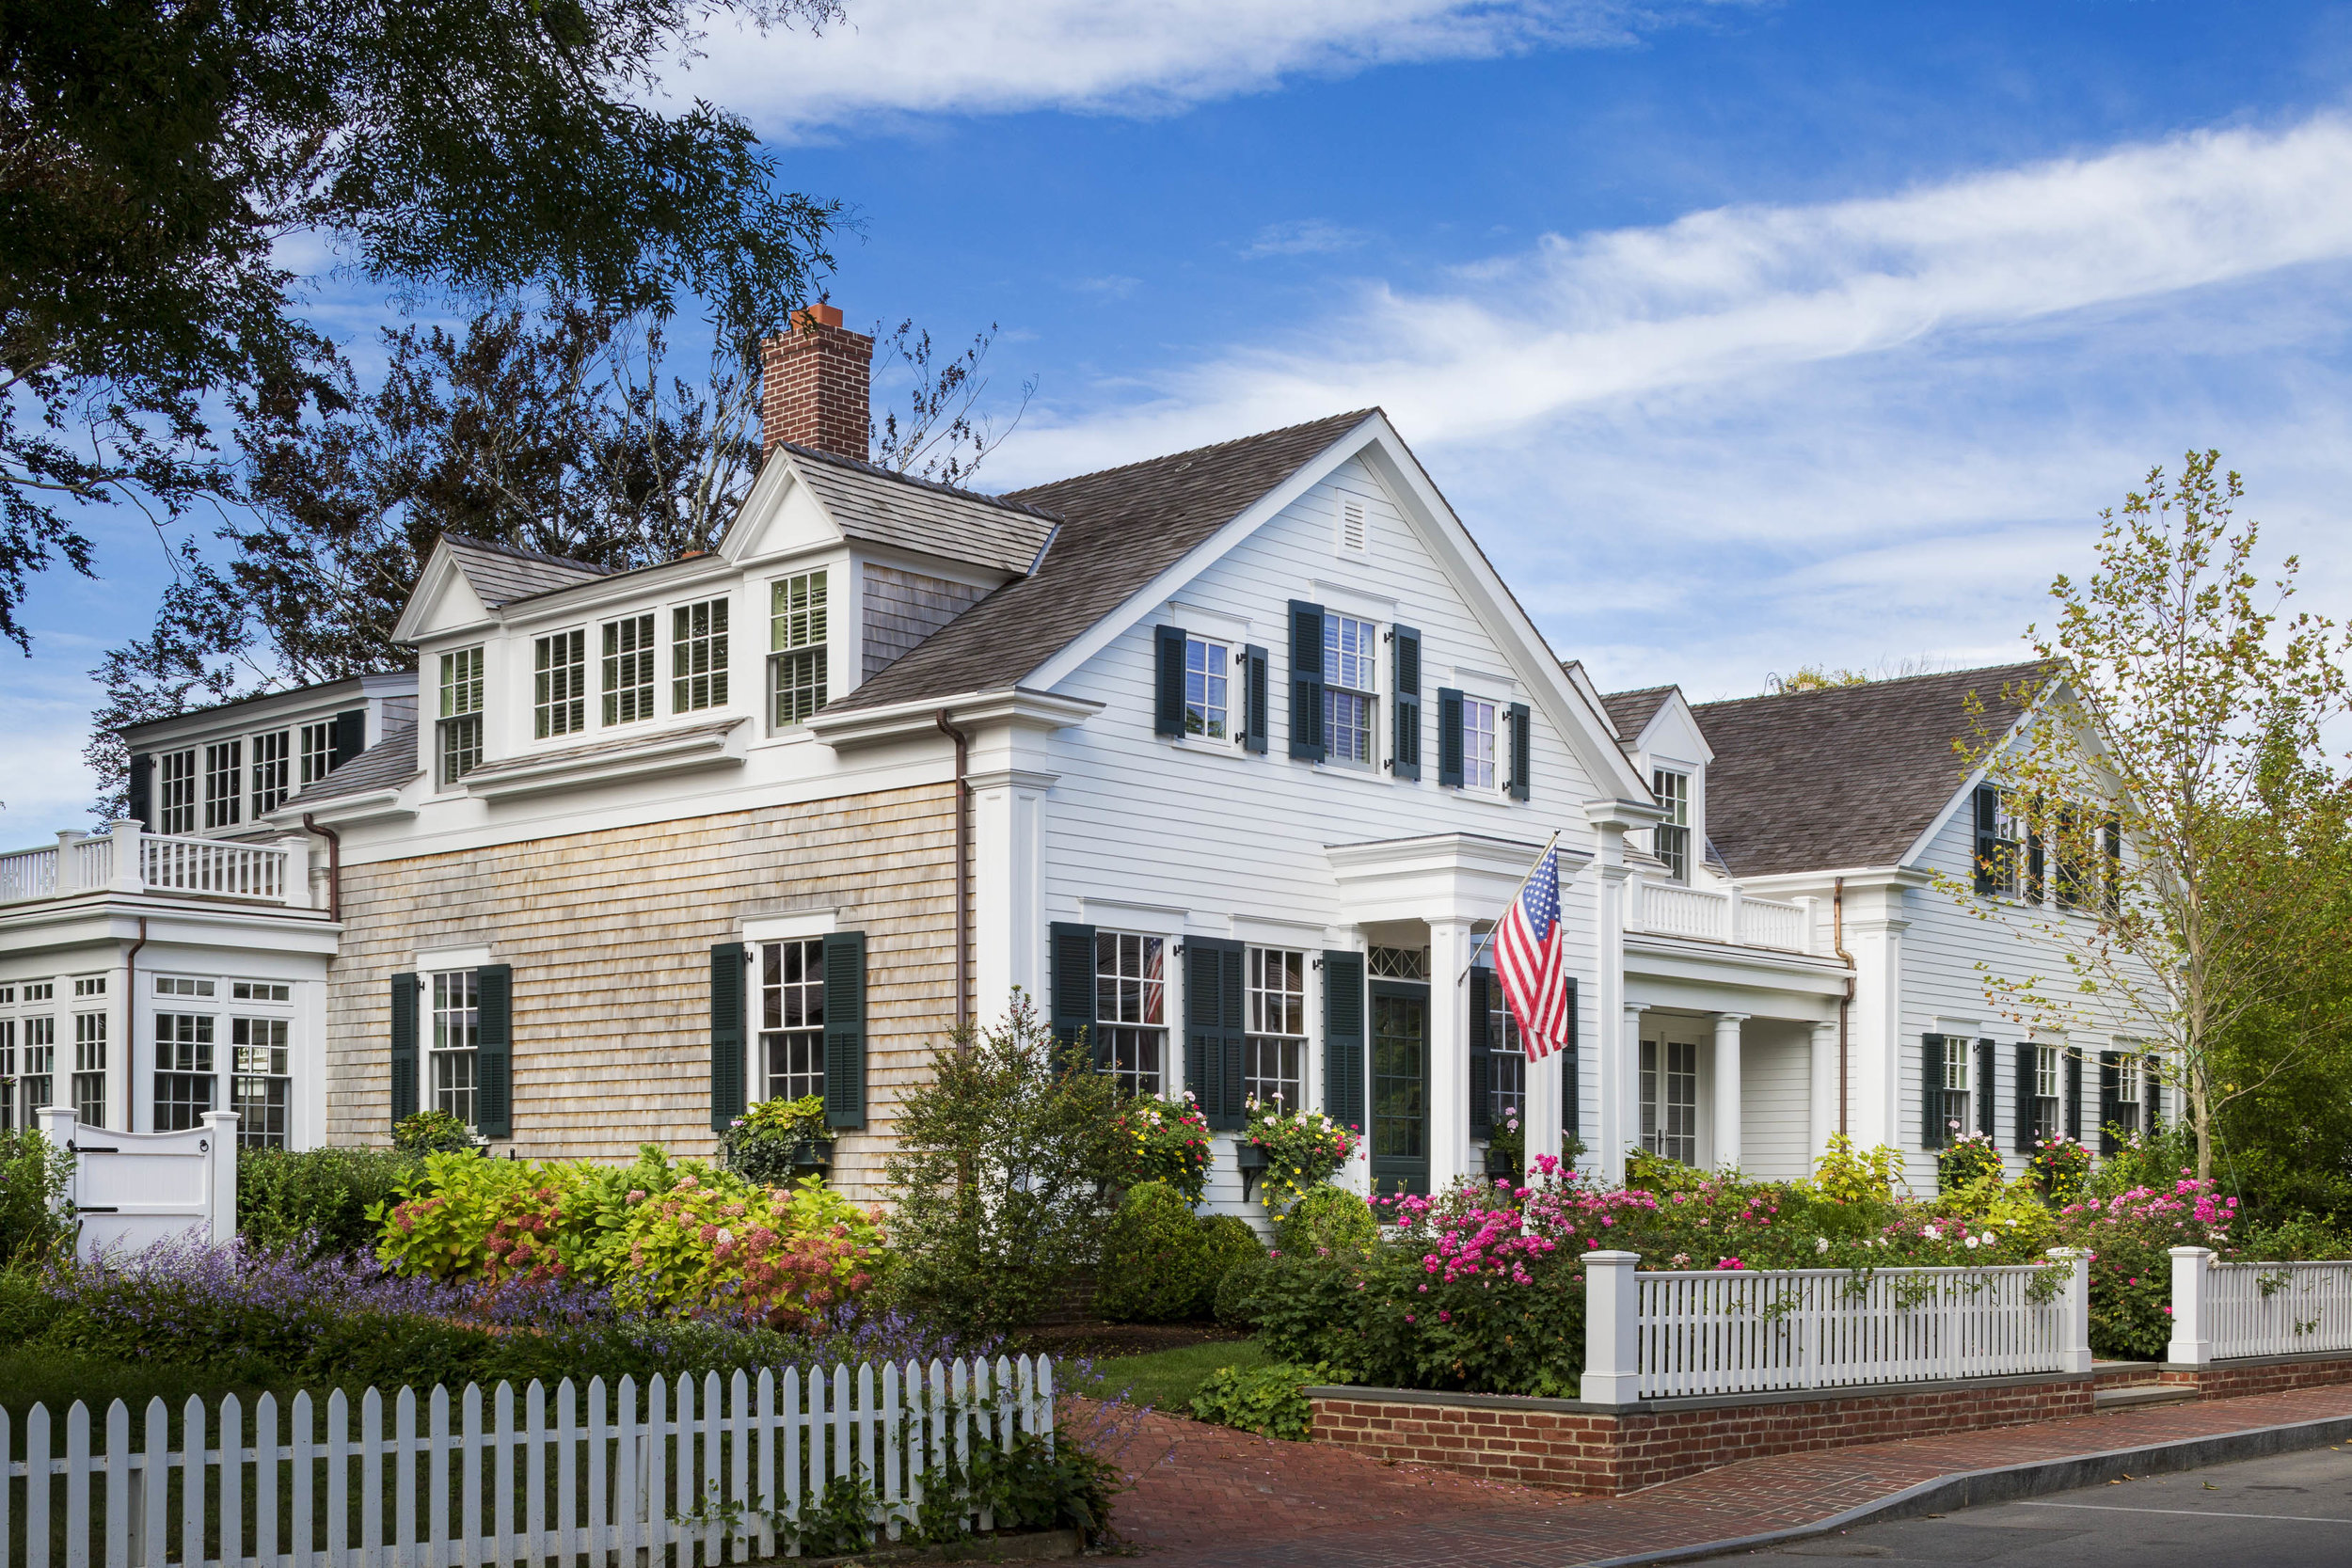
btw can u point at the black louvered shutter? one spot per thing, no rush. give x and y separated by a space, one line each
1167 681
1988 1120
1404 705
1448 737
2111 1108
1988 802
1933 1133
141 808
1522 751
350 736
2035 837
1212 1029
2073 1087
728 1049
1070 958
1255 685
2150 1096
494 1055
1482 1071
1571 1085
845 1029
2025 1088
1305 681
403 1048
1343 1037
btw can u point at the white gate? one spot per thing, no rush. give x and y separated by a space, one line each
132 1189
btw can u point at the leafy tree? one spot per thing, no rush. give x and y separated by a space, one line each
2177 775
155 153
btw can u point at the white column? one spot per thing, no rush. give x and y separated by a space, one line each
1727 1088
2077 1300
1625 1106
1450 943
1617 1120
1613 1329
125 831
1007 892
2192 1333
1874 935
68 863
1821 1098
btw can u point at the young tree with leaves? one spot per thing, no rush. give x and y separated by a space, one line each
2163 778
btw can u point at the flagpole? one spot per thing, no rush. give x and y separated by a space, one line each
1506 907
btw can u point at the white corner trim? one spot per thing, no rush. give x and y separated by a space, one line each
430 959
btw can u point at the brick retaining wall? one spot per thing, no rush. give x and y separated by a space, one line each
1603 1452
2260 1374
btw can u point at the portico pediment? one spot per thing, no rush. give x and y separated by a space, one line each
1437 876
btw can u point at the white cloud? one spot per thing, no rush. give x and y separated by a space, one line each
897 57
1302 237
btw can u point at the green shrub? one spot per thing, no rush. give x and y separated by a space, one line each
283 1195
1237 1293
1232 1242
1327 1218
33 1178
1269 1401
1160 1263
434 1132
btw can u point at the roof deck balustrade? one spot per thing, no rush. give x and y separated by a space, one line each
1726 915
128 859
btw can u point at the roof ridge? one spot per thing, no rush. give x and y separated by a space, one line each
877 471
518 553
1872 685
1356 415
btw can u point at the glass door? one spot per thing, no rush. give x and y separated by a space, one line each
1400 1087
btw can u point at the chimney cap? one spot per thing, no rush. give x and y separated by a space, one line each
820 314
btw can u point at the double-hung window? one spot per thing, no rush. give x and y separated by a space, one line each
1956 1118
1210 711
1273 1053
318 751
627 669
457 1041
559 684
7 1062
261 1083
89 1069
2130 1078
273 770
1350 709
698 655
1672 837
1131 1008
175 771
183 1070
461 714
1670 1100
792 1017
223 783
1478 743
796 648
1506 1060
39 1059
2048 1090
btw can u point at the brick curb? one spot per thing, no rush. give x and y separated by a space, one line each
2033 1478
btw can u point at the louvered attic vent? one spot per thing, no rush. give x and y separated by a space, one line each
1352 529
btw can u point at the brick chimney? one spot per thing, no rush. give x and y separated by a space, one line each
813 385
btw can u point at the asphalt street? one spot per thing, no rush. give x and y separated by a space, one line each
2294 1511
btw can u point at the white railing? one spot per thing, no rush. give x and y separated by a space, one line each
1768 922
128 859
1689 1333
208 866
725 1464
2222 1310
131 1190
1705 914
28 874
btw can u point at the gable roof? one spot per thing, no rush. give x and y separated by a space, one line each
1120 528
1631 712
500 574
388 764
886 508
1847 776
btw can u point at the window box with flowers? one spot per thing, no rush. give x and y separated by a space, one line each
1969 1159
1165 1140
777 1141
2061 1167
1296 1150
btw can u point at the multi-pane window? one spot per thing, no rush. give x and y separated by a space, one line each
223 783
318 751
7 1065
1506 1060
461 714
2048 1086
559 684
1131 1008
698 655
1208 690
457 1041
1673 835
254 990
39 1061
2131 1077
629 669
1670 1100
259 1084
2011 830
1350 659
176 774
89 985
89 1069
182 985
183 1070
1273 1053
1478 744
1956 1118
273 770
796 647
792 1017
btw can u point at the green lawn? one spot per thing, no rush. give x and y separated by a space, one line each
1164 1379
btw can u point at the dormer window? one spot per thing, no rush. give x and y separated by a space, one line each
318 751
559 684
797 672
627 669
460 721
698 655
223 783
175 771
1672 840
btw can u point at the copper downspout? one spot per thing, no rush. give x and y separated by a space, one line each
131 1025
963 870
1837 945
334 866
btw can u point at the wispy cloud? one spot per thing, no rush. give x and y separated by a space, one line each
1303 237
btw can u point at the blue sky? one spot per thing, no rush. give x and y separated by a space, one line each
1743 335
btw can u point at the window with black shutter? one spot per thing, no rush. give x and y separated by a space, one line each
845 1029
351 736
1254 683
1522 751
728 1071
1450 737
1988 809
1931 1129
1481 1088
1070 957
1343 1037
494 1059
1987 1117
1215 1029
1405 704
1168 680
2110 1086
1305 681
403 1048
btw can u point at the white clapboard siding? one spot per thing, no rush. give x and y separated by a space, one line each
1741 1331
729 1463
2278 1309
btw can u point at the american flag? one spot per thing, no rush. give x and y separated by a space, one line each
1530 961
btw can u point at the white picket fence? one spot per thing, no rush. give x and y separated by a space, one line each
620 1484
1685 1335
2222 1310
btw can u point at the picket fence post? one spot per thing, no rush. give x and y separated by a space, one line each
1613 1329
2192 1327
2075 1347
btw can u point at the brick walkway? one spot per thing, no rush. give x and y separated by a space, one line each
1207 1498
